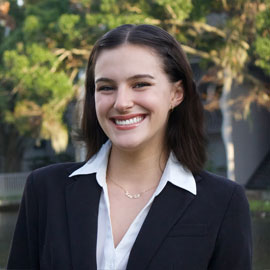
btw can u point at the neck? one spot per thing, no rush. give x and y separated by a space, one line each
136 170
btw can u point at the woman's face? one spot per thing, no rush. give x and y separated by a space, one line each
133 96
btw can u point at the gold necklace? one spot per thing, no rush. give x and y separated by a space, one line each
130 196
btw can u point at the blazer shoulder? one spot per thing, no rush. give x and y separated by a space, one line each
217 180
68 167
53 173
218 186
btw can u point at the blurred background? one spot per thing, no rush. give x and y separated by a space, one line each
44 46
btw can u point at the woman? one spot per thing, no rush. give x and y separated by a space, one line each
142 200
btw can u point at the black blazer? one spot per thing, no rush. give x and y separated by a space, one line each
57 225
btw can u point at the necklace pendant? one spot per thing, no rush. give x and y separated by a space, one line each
130 196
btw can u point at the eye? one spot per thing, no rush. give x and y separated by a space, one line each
105 88
141 84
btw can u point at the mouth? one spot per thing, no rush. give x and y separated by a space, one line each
128 120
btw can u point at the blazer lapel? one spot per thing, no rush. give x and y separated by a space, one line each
166 210
82 200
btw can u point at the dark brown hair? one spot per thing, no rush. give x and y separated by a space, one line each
185 131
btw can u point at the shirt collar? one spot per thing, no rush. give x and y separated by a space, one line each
174 171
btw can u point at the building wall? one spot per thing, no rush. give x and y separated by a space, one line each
251 138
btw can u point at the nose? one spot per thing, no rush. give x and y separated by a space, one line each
123 99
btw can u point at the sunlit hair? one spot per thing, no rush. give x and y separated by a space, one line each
185 131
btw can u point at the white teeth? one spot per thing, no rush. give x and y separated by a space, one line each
134 120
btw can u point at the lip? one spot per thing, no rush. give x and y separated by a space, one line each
126 117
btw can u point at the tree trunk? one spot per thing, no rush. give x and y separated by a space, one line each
226 128
12 148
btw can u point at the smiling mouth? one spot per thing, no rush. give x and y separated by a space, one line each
130 121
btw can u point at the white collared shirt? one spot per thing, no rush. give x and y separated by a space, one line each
109 257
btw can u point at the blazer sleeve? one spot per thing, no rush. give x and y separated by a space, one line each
233 248
24 248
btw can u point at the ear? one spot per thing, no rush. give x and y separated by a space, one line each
177 94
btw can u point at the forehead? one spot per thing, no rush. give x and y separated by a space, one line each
128 60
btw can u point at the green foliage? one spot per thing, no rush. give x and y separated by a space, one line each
263 21
32 72
67 25
31 25
39 55
15 65
200 8
178 9
110 21
37 92
10 42
110 6
262 48
262 41
48 10
259 206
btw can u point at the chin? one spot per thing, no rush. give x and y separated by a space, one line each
128 144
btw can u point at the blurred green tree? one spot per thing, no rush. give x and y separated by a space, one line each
34 91
233 37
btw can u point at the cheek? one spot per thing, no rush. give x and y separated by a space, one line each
101 113
102 104
155 102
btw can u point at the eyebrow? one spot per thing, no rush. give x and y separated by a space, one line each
138 76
